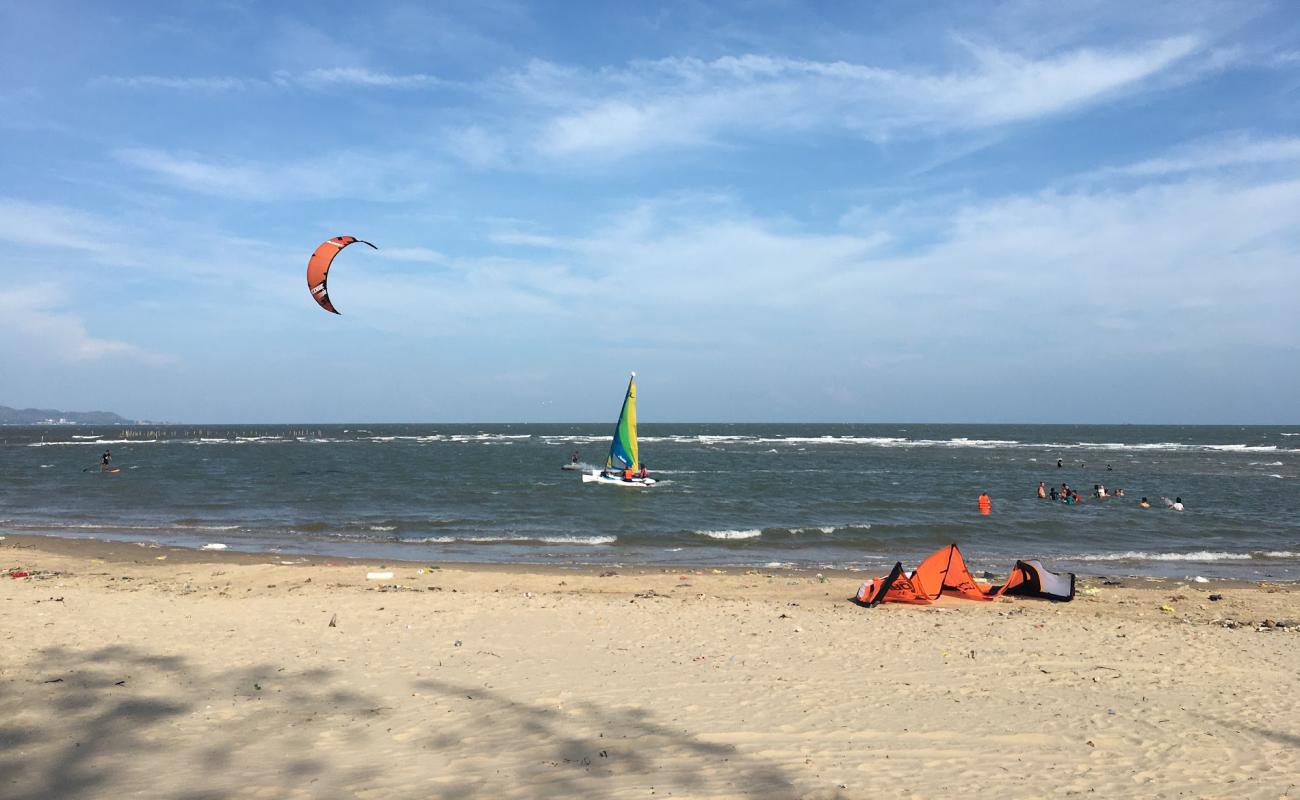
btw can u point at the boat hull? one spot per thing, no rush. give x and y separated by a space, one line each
636 483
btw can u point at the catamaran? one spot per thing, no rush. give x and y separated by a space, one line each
623 461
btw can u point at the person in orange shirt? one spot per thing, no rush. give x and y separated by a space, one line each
986 505
627 474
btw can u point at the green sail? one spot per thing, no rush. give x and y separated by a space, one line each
623 451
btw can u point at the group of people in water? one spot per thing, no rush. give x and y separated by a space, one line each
1070 497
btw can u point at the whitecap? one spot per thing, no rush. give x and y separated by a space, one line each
745 534
488 539
1138 555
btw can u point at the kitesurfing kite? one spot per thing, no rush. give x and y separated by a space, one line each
318 267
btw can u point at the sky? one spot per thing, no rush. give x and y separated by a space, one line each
1082 212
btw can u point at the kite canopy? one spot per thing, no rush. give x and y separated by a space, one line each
945 572
318 267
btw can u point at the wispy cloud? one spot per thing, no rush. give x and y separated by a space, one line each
360 76
687 101
48 226
173 83
1105 269
319 79
420 255
344 174
1236 150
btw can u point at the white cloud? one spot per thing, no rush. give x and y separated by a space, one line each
33 321
1217 153
321 78
476 146
359 76
686 101
37 225
216 83
423 255
338 175
1163 269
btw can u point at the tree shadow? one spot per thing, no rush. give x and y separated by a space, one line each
104 722
584 749
119 721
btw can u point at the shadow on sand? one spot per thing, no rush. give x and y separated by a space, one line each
117 721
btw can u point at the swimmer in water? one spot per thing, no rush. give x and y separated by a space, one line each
1042 491
1177 505
1144 503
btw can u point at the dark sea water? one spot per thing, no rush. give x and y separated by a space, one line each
799 495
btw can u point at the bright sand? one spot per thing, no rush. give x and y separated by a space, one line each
213 675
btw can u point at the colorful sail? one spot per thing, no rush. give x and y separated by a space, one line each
622 451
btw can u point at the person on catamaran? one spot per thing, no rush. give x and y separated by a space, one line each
627 473
644 472
573 457
105 459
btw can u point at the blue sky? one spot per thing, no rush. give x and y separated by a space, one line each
1022 212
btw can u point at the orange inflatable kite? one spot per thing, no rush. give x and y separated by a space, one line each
945 572
318 267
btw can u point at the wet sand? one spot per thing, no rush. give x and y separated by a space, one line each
159 672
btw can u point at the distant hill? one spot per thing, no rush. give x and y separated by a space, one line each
50 416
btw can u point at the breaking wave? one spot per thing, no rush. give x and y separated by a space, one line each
1199 555
488 539
752 533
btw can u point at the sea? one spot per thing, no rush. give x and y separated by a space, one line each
813 496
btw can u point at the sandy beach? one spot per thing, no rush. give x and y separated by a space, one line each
139 671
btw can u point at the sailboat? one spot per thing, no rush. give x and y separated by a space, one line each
622 450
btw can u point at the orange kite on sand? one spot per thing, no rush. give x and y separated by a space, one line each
318 267
945 572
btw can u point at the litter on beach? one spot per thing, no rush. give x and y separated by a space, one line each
213 546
